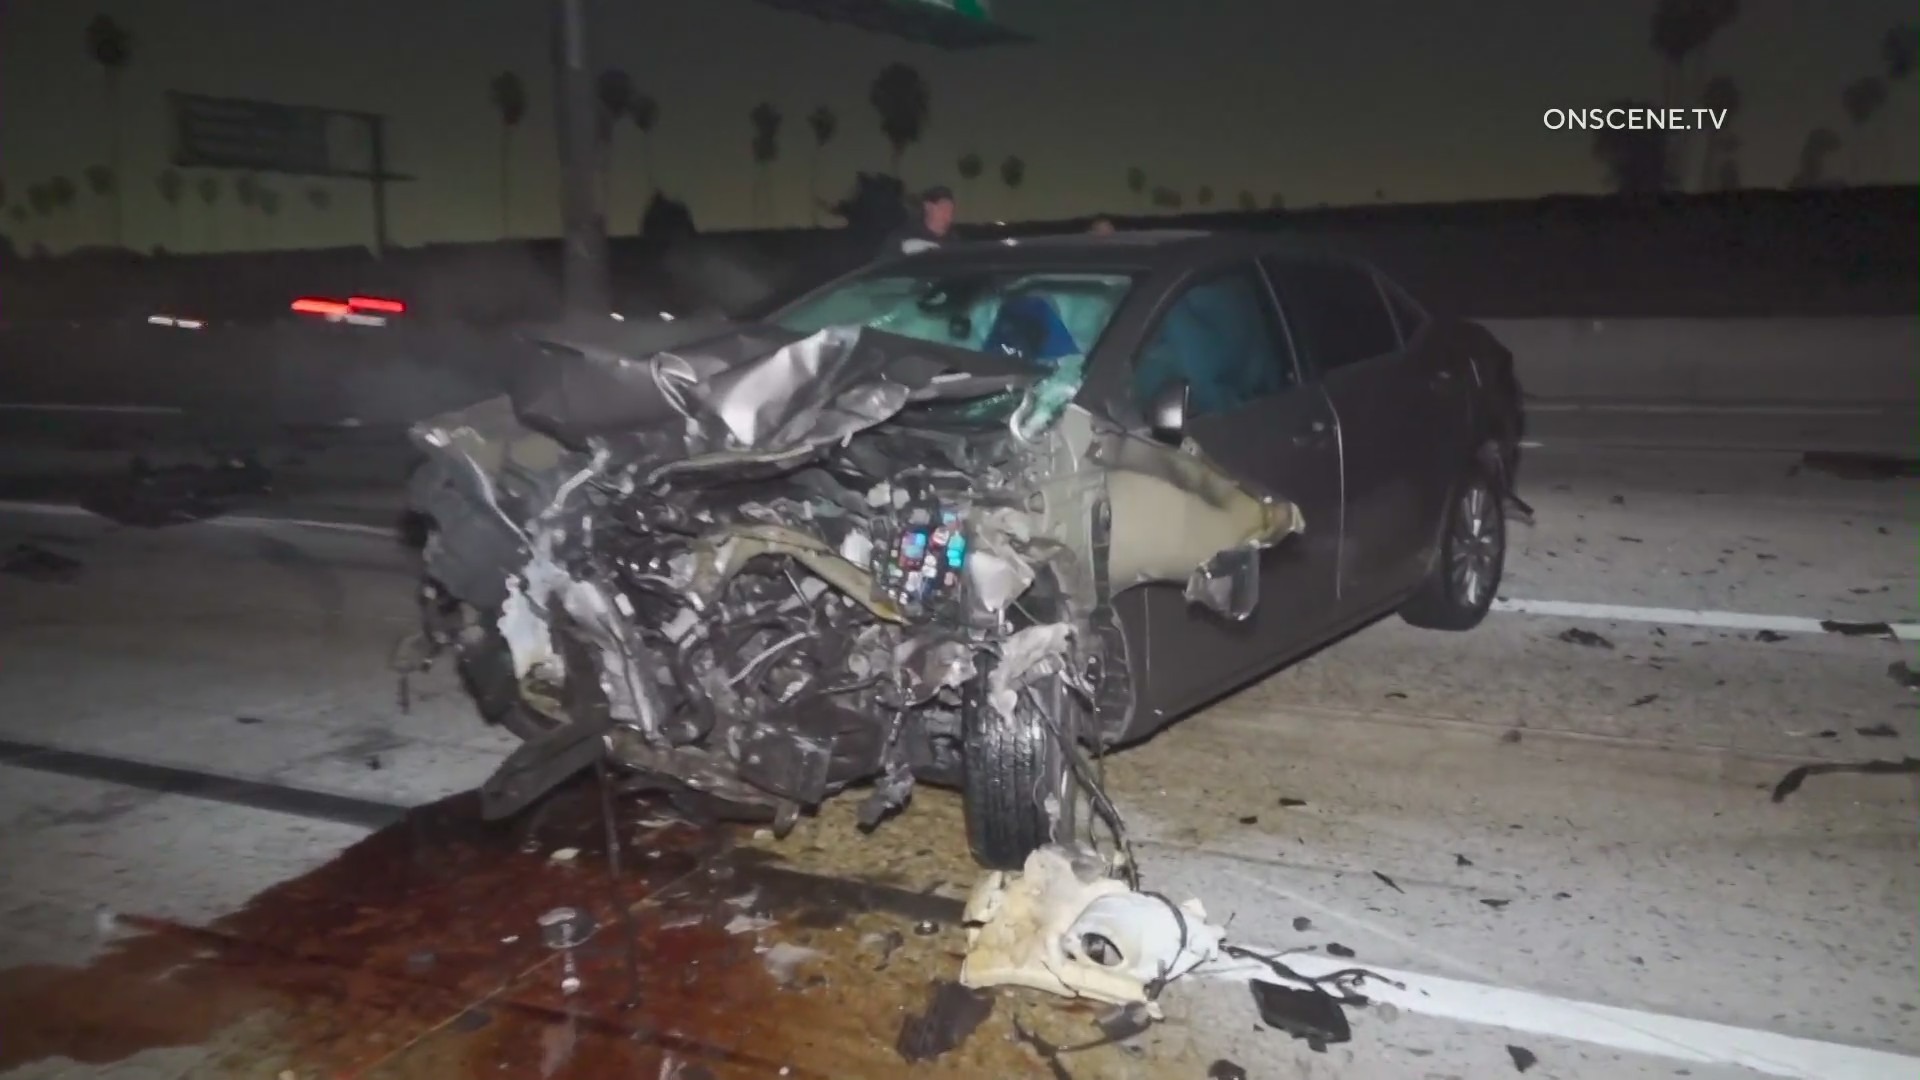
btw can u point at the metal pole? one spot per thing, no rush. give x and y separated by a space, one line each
378 125
583 266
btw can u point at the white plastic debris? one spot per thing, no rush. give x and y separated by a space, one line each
565 854
783 960
747 924
1063 926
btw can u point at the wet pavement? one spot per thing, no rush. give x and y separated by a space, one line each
419 952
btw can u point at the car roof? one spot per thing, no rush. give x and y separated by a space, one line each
1128 251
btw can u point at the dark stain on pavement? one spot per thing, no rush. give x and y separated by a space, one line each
418 952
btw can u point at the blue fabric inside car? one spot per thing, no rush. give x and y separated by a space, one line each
1217 337
1028 326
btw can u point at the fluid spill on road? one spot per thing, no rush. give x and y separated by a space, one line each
418 953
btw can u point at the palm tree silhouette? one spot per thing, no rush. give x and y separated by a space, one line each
970 166
1636 160
1680 33
824 124
645 113
1721 94
1862 100
1203 197
901 97
100 181
509 97
1137 181
766 120
615 91
1013 173
1166 198
171 186
1821 144
64 193
209 189
1276 201
1898 49
110 46
1248 202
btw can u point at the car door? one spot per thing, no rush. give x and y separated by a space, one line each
1250 411
1439 377
1348 341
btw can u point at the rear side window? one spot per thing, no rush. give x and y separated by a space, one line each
1335 311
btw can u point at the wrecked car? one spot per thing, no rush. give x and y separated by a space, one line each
969 517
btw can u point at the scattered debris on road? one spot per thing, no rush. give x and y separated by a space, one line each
1900 672
1222 1069
1644 699
1791 782
1495 904
35 563
1334 948
1877 731
1523 1058
1574 635
1769 636
1063 925
952 1014
1388 882
153 498
1462 860
1311 1015
1289 804
1857 629
1850 465
1302 924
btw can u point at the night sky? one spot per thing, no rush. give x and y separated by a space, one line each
1320 102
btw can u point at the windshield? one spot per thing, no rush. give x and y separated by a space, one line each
1039 317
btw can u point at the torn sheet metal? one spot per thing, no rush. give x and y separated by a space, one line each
1063 926
773 565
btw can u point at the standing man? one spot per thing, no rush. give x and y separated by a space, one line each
930 229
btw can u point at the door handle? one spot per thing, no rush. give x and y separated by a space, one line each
1315 435
1441 379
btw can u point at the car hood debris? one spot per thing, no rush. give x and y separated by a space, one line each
761 567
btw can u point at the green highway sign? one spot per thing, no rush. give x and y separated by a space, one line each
945 24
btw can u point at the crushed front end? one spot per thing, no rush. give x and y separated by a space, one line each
758 569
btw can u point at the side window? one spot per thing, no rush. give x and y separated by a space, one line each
1334 310
1407 314
1221 336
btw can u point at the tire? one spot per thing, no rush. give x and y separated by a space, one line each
1010 765
1473 554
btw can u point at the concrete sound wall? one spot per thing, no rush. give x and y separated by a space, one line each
1787 361
314 374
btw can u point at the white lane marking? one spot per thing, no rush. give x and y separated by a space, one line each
1719 620
230 521
1654 409
1676 1038
1528 444
54 406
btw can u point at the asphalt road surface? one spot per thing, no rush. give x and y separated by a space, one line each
1551 838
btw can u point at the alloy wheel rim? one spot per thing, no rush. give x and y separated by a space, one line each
1475 549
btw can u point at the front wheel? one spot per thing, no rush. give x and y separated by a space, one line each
1473 555
1019 789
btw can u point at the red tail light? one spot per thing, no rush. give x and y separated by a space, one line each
310 305
375 303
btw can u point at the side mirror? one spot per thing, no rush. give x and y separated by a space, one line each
1167 413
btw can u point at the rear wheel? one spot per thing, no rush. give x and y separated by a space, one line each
1473 555
1019 788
